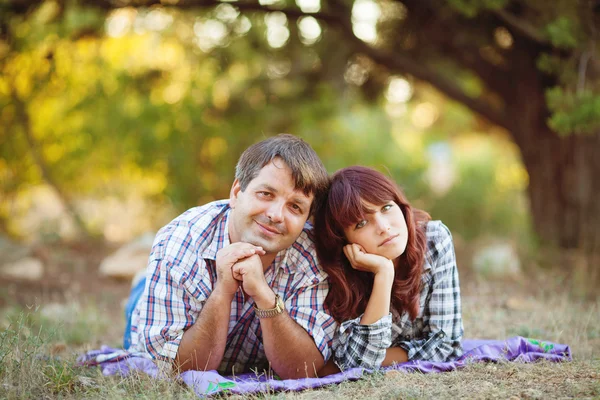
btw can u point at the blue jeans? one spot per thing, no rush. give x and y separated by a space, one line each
134 296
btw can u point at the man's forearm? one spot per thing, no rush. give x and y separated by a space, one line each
289 348
203 344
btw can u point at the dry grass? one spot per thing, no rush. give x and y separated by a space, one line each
38 349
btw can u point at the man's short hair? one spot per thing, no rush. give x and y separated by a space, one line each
308 172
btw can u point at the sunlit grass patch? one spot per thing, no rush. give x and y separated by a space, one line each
29 367
64 325
497 311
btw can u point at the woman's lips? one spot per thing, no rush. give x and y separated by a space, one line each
388 240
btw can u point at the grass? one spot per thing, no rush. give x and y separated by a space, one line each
39 346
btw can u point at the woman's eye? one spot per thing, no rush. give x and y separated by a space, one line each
386 207
361 224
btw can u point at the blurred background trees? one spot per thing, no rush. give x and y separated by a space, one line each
127 112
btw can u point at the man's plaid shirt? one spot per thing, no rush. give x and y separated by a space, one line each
434 335
181 275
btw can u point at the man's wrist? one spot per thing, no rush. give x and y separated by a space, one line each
221 294
266 300
274 311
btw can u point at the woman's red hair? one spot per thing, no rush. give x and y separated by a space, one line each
349 289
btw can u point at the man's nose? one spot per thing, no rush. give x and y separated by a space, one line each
275 211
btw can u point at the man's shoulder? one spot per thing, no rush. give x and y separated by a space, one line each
194 226
199 218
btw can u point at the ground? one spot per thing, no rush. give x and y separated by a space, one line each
46 324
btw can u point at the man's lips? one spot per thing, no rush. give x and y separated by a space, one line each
269 229
389 239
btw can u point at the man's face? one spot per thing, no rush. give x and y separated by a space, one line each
271 212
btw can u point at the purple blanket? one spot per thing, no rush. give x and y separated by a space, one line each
518 349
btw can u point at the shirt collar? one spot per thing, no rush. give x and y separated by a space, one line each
220 237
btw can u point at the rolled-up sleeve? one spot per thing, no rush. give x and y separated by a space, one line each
357 345
176 289
443 340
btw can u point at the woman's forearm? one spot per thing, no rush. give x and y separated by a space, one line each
381 296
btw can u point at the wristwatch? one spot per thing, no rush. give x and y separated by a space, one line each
271 312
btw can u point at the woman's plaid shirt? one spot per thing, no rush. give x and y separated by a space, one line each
434 335
181 275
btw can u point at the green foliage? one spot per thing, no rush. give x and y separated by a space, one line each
20 346
573 112
550 64
563 33
61 378
149 111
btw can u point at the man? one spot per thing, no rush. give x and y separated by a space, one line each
235 285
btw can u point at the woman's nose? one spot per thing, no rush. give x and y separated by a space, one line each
382 225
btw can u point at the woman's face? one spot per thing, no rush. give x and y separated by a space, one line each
383 231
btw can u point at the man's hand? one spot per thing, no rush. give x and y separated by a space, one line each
250 272
363 261
227 257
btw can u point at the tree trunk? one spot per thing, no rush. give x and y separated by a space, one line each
564 184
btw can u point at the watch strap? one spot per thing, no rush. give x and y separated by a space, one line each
271 312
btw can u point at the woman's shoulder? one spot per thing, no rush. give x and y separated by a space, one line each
439 241
436 231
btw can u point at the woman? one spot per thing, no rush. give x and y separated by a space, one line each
393 279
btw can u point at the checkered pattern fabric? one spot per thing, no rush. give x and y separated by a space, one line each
435 334
181 275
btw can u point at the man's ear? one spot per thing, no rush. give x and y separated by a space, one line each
233 193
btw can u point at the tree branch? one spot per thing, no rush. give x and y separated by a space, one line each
402 63
522 27
192 4
396 62
23 116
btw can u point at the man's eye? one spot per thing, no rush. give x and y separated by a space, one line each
361 224
264 194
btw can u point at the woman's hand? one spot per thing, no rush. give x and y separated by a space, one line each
363 261
383 269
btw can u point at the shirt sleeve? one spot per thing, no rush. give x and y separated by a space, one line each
305 307
443 341
365 346
176 290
